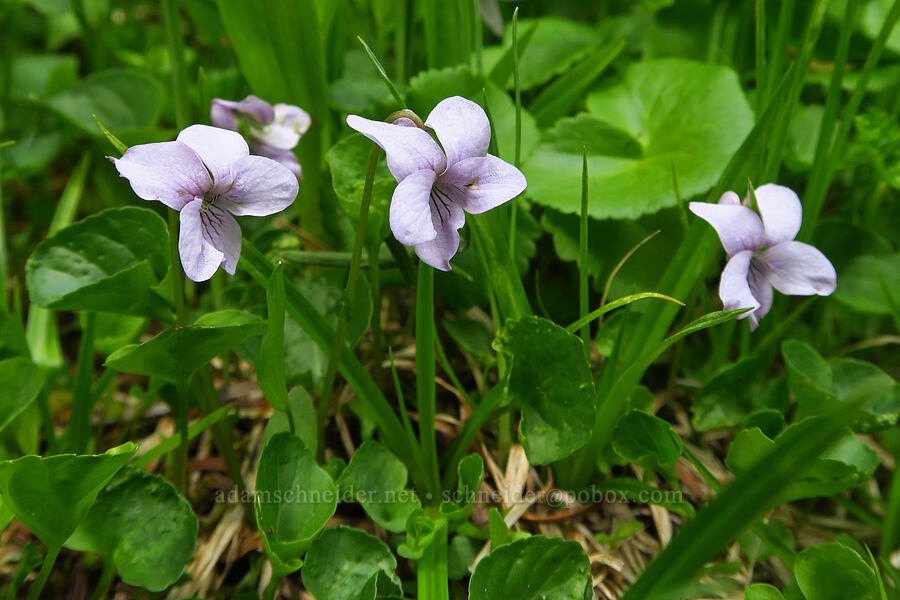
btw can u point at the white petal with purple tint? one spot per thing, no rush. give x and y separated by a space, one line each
410 213
486 182
218 148
734 287
739 228
199 257
170 172
447 220
407 149
261 187
799 269
462 128
781 213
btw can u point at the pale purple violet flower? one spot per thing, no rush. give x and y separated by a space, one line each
762 252
272 131
434 185
208 175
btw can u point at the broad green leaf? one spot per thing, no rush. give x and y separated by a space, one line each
348 564
737 506
112 331
762 591
865 262
648 441
821 385
51 495
551 382
667 114
270 364
554 46
175 354
20 382
562 95
845 465
122 99
106 262
41 75
377 480
143 526
833 571
738 391
302 410
295 499
535 568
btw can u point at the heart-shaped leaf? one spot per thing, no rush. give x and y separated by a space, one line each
536 568
295 499
122 99
349 564
666 114
833 571
551 380
144 526
51 495
377 480
648 441
175 354
20 382
106 262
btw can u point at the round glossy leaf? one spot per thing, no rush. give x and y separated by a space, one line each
295 498
377 480
536 568
144 526
665 114
551 380
348 564
51 495
106 262
834 572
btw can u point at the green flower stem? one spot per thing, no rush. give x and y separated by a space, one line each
79 428
369 395
272 588
49 559
514 205
583 284
4 255
106 577
431 576
425 373
208 399
344 316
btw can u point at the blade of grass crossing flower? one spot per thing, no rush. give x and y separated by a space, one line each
780 45
561 96
425 373
618 303
760 38
270 365
816 196
445 32
693 254
739 505
41 330
801 66
401 100
514 205
832 104
491 229
317 328
503 69
344 317
613 405
583 278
